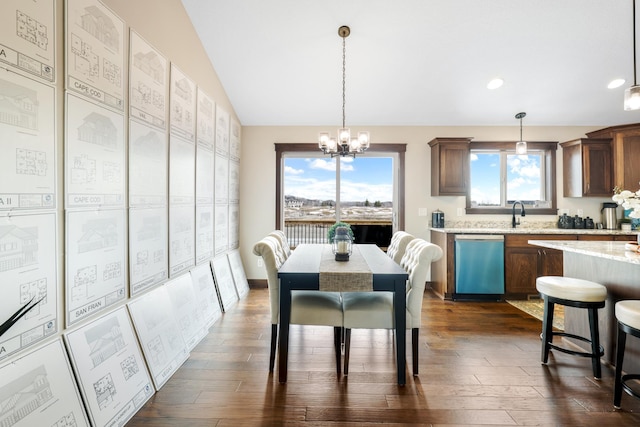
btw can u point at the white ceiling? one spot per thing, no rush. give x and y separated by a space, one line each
421 62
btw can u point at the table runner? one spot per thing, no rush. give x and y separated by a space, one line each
345 276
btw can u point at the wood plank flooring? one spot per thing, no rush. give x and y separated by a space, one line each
479 365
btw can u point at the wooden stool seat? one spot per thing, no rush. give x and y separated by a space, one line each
628 317
576 293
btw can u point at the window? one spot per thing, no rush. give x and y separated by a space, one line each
365 190
499 177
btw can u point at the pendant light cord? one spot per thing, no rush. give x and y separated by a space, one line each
344 71
634 44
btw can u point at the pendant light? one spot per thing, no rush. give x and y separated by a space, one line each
521 146
632 94
345 145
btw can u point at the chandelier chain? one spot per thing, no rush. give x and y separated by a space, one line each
344 71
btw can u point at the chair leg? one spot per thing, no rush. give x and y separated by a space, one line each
347 346
547 329
617 388
415 333
274 340
337 342
595 343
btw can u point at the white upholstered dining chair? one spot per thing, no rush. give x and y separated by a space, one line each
307 307
284 242
398 245
374 310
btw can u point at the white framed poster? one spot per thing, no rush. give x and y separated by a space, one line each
182 102
224 282
110 369
204 233
221 180
183 300
148 167
39 389
239 276
95 262
148 242
234 226
95 155
94 52
181 238
206 295
222 131
28 34
182 171
148 80
234 182
28 135
221 237
234 140
204 176
161 340
206 121
29 278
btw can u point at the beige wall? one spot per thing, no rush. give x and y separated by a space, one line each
257 178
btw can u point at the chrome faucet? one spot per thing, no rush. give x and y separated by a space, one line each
513 213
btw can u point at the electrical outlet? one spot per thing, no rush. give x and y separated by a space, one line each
563 211
580 212
260 263
460 212
422 211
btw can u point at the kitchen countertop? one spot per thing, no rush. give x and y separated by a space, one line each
601 249
530 230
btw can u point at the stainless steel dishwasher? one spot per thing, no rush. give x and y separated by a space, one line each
479 261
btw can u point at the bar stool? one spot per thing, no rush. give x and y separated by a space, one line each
578 293
628 316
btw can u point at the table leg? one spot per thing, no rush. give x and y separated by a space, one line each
285 318
400 312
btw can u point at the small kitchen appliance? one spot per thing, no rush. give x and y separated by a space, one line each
437 219
610 215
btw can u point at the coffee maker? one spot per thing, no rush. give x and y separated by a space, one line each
609 215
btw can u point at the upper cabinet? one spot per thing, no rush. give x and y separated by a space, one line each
607 158
586 164
449 166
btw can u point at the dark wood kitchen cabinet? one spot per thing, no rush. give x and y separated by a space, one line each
625 154
587 167
523 263
449 166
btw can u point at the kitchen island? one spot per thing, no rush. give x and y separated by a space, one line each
618 269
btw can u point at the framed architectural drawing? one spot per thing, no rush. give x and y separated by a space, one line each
95 262
39 389
148 242
204 176
148 80
206 295
148 170
182 102
28 34
181 238
234 141
183 300
157 328
234 226
27 131
237 270
94 51
221 179
111 372
28 275
221 238
95 155
206 121
222 131
234 182
204 233
224 282
182 171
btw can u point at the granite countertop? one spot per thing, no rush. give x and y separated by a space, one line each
602 249
530 230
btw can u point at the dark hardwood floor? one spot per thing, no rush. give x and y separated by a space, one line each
479 365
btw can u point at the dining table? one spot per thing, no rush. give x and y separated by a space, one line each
369 269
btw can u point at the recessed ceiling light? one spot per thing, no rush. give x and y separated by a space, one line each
615 83
495 83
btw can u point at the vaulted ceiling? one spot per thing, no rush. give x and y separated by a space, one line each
421 62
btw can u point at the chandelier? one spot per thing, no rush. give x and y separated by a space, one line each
632 94
344 145
521 146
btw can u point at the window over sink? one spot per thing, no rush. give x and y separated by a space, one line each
499 177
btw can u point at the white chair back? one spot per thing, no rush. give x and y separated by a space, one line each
279 234
398 245
273 258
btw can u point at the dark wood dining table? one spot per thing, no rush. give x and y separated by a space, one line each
303 270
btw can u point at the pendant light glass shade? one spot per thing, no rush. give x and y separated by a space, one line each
632 98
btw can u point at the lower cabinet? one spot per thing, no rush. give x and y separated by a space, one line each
523 263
